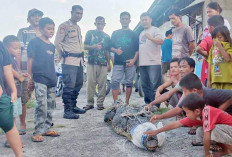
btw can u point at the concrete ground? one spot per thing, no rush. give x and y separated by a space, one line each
89 136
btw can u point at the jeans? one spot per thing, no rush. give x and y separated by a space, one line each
151 79
73 82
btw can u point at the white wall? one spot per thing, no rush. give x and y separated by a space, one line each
227 10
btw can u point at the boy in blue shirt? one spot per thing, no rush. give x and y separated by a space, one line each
166 54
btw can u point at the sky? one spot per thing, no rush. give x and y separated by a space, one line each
13 13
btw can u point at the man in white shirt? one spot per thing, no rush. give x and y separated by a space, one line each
150 41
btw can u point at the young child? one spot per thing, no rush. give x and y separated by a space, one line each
41 70
220 74
13 46
204 47
175 72
217 124
6 110
166 54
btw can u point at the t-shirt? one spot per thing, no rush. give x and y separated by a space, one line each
149 52
210 117
181 37
206 29
97 57
129 43
25 35
18 84
220 69
205 45
167 50
43 68
178 87
215 97
4 61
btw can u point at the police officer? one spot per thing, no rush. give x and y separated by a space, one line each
68 43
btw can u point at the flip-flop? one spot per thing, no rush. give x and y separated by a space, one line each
192 131
197 144
215 148
7 145
37 138
88 107
51 133
100 108
22 132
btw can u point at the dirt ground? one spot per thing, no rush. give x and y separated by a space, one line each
89 136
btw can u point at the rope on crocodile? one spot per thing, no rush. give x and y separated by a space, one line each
133 116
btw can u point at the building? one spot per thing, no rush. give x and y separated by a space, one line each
193 13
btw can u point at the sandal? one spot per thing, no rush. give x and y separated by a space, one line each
100 108
22 132
51 133
215 148
88 107
7 145
37 138
192 131
194 143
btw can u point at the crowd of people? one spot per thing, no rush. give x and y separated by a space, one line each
27 65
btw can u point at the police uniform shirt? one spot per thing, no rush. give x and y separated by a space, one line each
68 38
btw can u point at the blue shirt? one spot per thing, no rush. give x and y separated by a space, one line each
167 50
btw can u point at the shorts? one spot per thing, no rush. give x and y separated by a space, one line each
123 82
165 67
17 108
26 94
6 113
117 76
222 133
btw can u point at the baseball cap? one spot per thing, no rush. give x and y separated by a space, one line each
33 11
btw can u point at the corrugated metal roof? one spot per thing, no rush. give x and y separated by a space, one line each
193 4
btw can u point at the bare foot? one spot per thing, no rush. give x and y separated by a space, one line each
23 127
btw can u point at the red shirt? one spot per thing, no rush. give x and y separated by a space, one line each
206 45
210 117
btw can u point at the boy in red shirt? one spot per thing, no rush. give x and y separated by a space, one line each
217 124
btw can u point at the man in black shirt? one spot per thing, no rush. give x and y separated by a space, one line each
125 44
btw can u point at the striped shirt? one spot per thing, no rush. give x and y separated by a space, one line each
25 35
